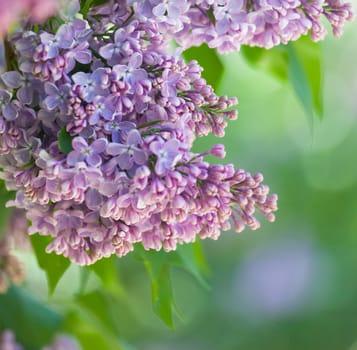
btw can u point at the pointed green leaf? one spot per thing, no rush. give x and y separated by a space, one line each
53 265
33 323
192 260
210 62
310 57
298 62
65 141
300 82
158 266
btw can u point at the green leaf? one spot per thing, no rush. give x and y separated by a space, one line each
298 62
158 266
310 58
273 61
5 213
209 60
98 304
65 141
192 260
53 265
107 271
88 333
33 323
300 83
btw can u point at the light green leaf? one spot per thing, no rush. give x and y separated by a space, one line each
298 62
33 323
310 58
107 272
273 61
300 83
98 304
158 266
192 260
65 141
53 265
5 213
210 62
90 335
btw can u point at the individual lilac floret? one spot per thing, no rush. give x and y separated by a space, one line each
8 108
52 43
24 84
84 152
168 154
90 85
57 97
131 72
129 153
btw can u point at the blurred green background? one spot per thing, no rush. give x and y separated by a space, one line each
291 285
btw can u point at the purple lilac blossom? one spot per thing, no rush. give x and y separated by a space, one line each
228 24
130 115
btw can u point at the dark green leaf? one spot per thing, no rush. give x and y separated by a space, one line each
65 141
53 265
33 323
209 60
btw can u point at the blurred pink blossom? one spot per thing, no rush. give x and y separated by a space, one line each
35 10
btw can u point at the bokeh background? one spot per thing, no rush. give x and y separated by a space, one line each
291 285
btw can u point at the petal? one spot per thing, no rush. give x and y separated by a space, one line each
94 160
74 157
64 36
136 60
25 94
83 56
159 10
98 146
12 79
51 102
140 157
116 148
134 138
125 161
10 112
79 143
80 78
51 89
107 51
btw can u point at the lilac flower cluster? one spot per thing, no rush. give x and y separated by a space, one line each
96 136
8 342
227 24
